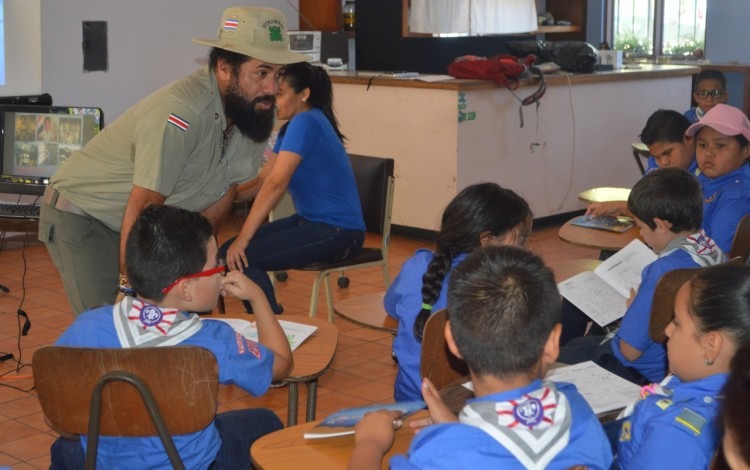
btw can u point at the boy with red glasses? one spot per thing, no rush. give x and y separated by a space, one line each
171 257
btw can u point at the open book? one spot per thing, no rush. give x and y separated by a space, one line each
602 294
341 423
605 222
603 390
296 333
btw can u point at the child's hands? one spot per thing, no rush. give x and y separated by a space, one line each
612 208
240 286
377 429
439 413
633 293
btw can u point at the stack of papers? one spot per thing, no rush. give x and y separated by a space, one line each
296 333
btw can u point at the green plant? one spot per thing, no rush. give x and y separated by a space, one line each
631 43
683 46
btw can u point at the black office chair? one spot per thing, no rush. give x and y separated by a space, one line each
374 177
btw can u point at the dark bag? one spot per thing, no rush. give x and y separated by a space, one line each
573 56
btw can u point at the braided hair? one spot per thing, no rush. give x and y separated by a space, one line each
478 209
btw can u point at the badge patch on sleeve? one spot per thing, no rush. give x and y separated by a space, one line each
625 432
230 24
178 122
244 344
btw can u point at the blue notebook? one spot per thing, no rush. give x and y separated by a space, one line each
605 222
341 423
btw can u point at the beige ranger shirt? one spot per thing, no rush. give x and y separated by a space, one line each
170 142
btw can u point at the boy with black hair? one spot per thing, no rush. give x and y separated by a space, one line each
504 313
664 135
710 90
667 206
174 271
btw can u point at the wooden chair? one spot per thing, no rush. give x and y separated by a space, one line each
374 177
741 242
662 307
437 363
127 392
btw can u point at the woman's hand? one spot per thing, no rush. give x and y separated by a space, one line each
236 258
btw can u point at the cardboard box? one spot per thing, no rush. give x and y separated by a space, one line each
613 58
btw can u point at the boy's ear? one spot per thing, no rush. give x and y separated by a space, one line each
450 342
662 226
552 347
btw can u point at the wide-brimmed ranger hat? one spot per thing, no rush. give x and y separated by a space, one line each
725 119
255 32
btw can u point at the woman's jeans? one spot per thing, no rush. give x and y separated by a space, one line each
292 243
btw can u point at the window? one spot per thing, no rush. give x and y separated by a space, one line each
646 28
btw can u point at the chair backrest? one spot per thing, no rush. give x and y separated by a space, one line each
182 379
374 177
437 363
741 242
662 307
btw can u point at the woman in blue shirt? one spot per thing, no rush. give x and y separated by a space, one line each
312 164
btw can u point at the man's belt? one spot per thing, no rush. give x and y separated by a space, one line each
55 200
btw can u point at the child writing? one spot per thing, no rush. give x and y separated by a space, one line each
722 139
710 90
171 256
480 215
504 313
667 207
736 406
675 427
664 135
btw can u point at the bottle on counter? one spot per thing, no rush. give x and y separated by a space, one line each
349 16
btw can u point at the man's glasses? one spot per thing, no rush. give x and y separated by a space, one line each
711 93
221 268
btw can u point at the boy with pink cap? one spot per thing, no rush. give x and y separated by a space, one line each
722 150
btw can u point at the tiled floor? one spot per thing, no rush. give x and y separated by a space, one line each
362 370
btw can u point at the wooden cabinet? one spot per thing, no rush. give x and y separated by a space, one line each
320 15
566 10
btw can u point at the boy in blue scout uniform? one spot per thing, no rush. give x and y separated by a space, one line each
504 312
169 289
664 135
710 90
675 424
722 139
667 206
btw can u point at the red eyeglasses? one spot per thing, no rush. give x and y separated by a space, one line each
221 268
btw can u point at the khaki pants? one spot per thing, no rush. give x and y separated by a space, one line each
85 252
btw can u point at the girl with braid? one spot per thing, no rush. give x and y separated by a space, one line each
481 215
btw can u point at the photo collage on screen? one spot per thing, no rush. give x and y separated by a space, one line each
46 140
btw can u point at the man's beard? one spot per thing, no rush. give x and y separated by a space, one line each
253 123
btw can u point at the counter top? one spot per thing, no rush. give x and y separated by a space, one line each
643 72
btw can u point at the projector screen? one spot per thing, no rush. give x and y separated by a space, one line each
20 48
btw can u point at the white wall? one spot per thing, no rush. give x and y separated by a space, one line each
149 44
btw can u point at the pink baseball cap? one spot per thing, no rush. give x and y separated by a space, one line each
725 119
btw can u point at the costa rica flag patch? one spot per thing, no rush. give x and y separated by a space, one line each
178 122
231 24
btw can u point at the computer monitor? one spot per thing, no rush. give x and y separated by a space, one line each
36 140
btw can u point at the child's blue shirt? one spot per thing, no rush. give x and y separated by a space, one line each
726 200
674 431
403 301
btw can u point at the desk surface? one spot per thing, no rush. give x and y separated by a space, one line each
367 310
570 267
313 356
288 449
597 239
604 194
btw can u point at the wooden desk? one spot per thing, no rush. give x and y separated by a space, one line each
597 239
14 224
288 449
311 359
367 310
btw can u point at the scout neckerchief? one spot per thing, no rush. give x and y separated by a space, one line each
534 428
701 248
140 324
